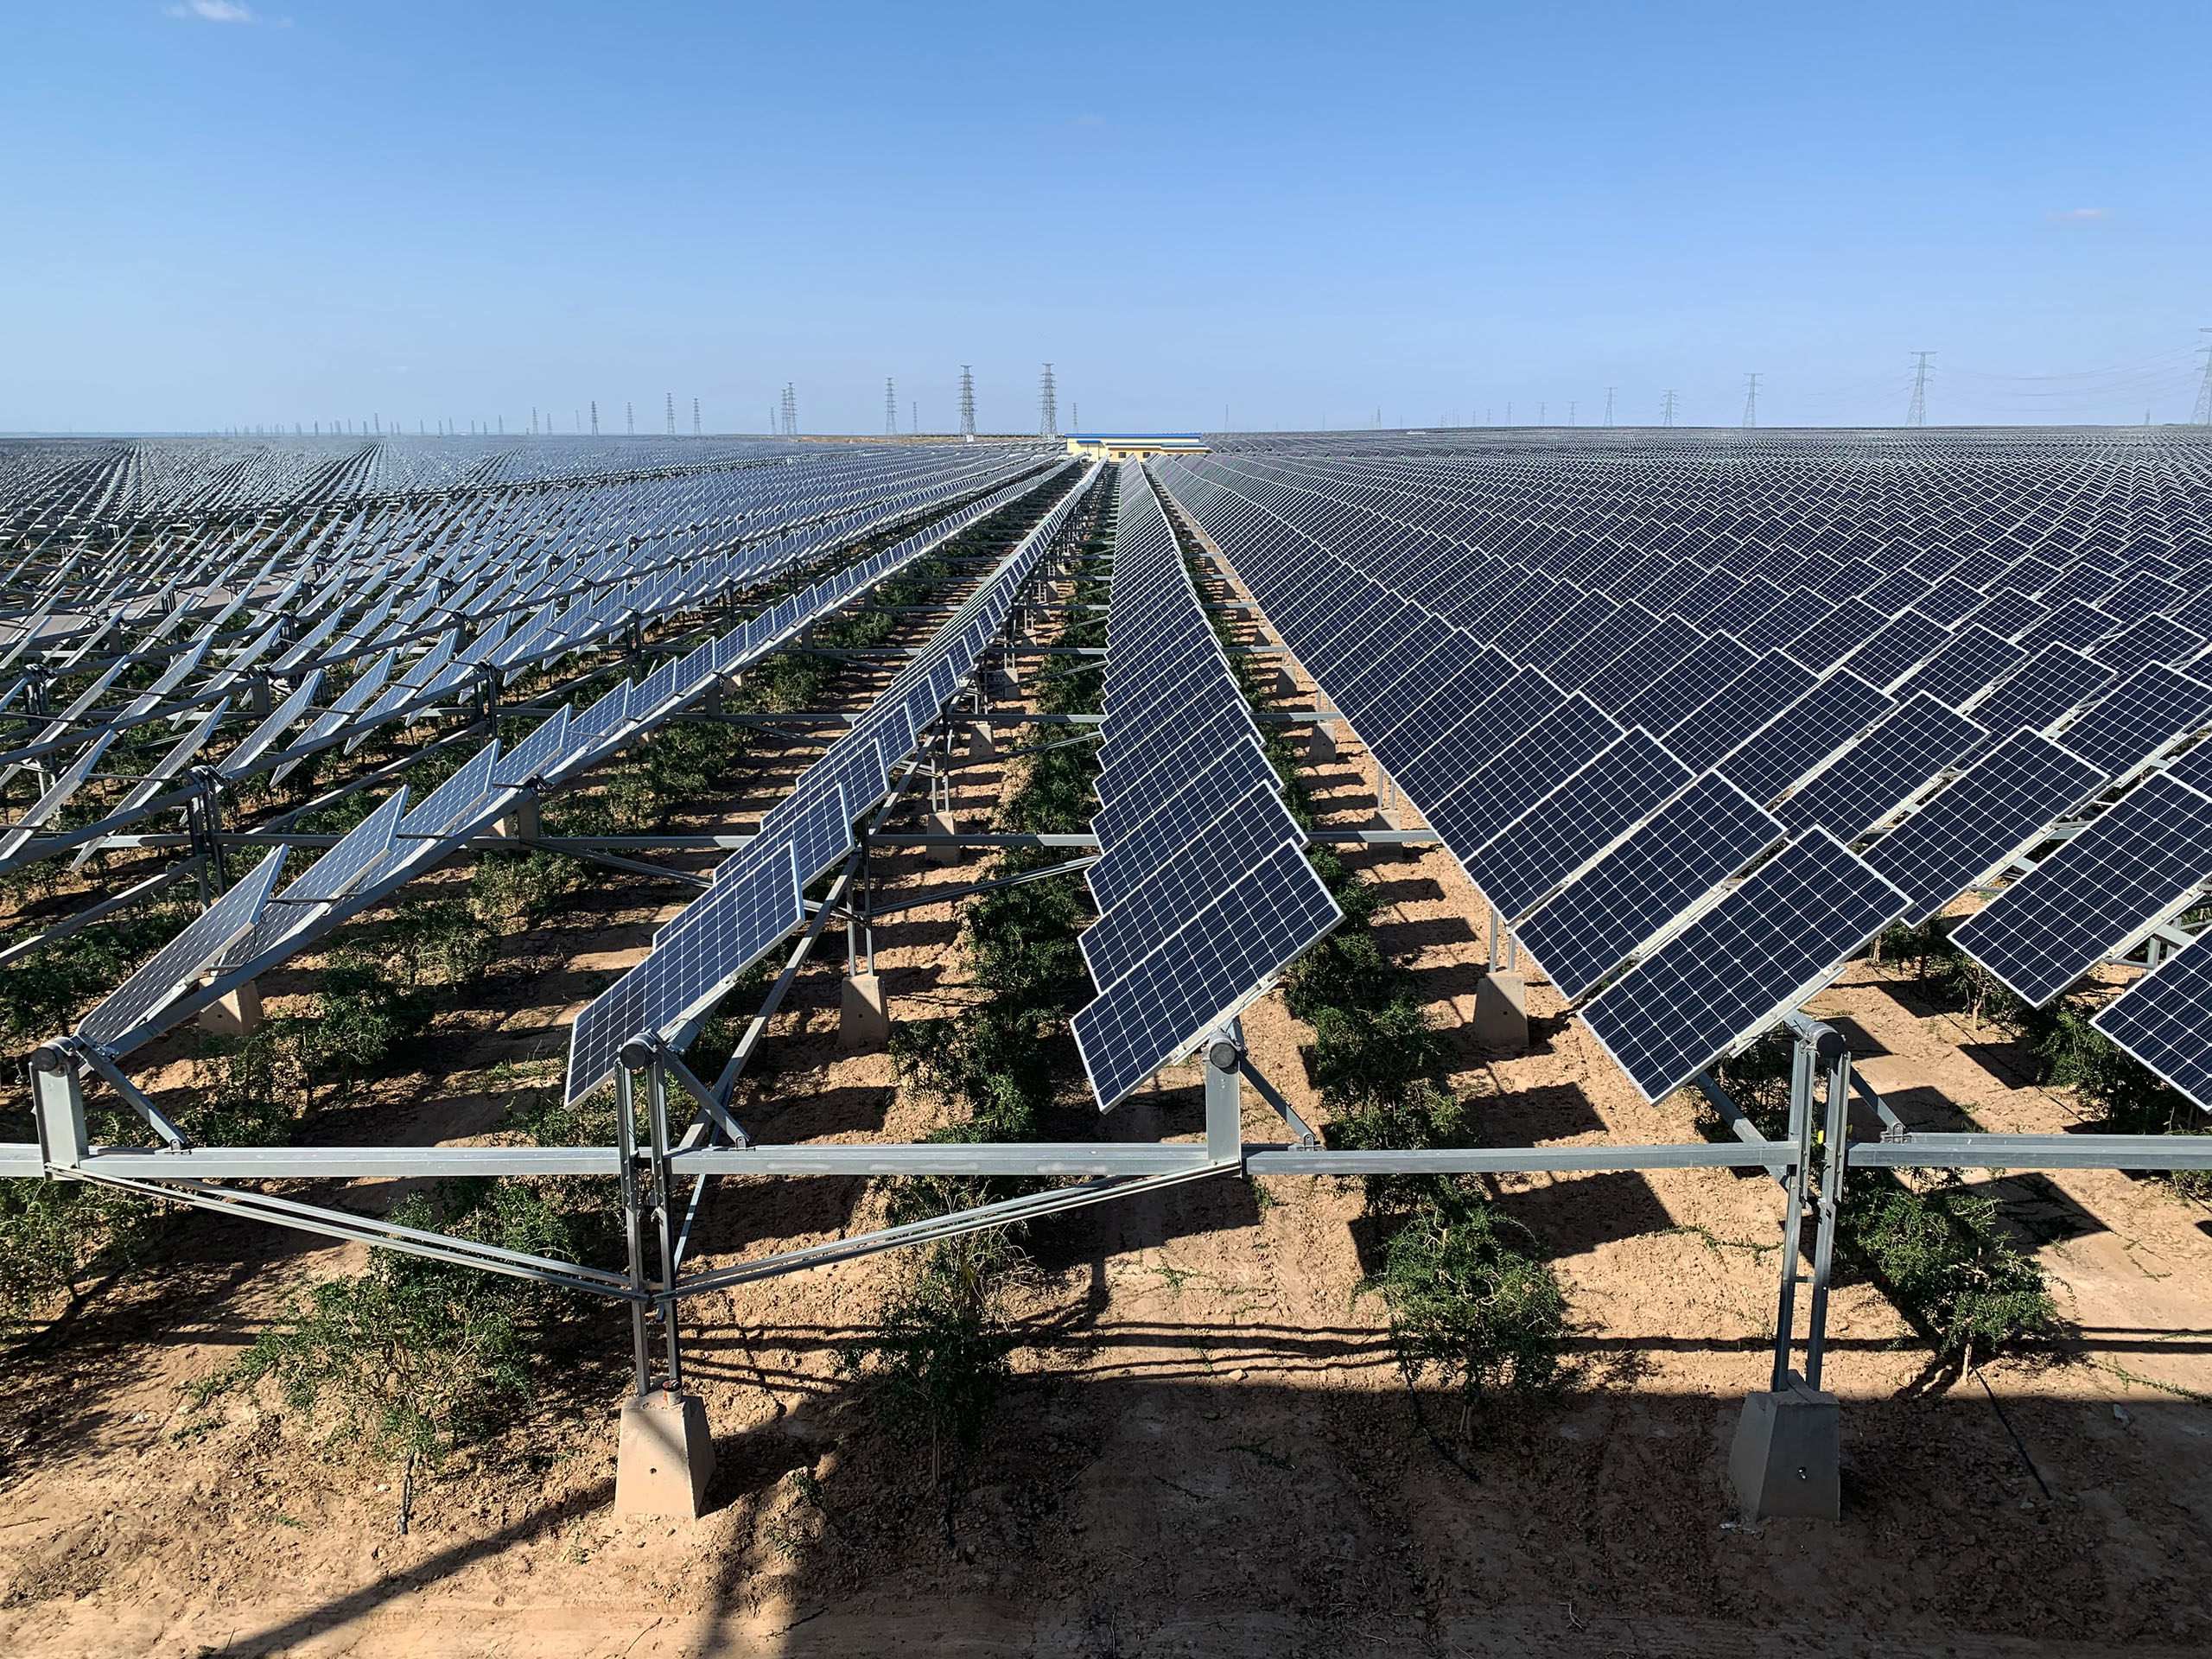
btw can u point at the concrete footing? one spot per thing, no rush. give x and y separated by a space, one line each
863 1014
1788 1456
1501 1021
981 745
236 1014
665 1456
524 823
942 824
1321 745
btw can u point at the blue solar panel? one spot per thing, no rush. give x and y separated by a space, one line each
338 870
1179 886
1898 757
2165 1021
1798 739
2126 872
1203 973
1736 969
1737 707
1430 764
1520 774
1989 816
1522 862
1637 890
2138 717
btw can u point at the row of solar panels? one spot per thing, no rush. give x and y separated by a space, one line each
1538 765
1203 888
756 898
509 642
253 926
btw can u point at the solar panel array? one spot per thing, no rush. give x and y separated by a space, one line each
217 579
493 782
1614 683
1204 890
755 899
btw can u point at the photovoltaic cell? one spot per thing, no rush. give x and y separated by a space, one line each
1738 707
1733 971
1987 817
1898 757
176 963
2138 717
1179 887
1803 735
339 870
1522 862
1522 773
1636 890
2123 874
448 804
2165 1020
1203 972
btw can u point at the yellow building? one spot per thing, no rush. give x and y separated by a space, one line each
1135 446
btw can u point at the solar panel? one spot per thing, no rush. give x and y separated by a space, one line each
1636 890
1991 814
1178 887
1897 757
450 801
1664 701
361 847
1523 773
1736 709
1203 973
171 968
2036 694
687 972
1975 660
2165 1020
1906 642
1517 868
1142 833
2138 717
1801 736
2106 887
1731 973
530 759
1430 763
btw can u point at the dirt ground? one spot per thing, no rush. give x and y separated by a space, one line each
1209 1449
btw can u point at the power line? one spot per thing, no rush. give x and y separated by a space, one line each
1751 401
1915 412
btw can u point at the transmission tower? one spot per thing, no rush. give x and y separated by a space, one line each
1570 412
1048 408
890 410
694 417
1609 405
671 414
594 417
1915 412
629 418
2202 414
790 417
1667 409
967 402
1751 401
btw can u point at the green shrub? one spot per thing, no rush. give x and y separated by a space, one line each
1943 1260
1470 1300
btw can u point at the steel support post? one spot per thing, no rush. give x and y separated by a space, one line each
663 1190
633 1228
1837 1131
1801 1136
58 1105
1225 1096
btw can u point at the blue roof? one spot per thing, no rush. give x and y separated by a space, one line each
1190 437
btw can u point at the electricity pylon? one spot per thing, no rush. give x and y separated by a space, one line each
2202 416
1915 412
1751 401
1666 409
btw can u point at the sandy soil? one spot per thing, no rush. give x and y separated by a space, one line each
1209 1449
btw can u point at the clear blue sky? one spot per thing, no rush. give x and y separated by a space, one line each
218 216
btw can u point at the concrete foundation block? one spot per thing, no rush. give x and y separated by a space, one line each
236 1014
1389 817
1501 1021
942 824
863 1014
981 745
665 1456
1321 745
1788 1456
524 823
